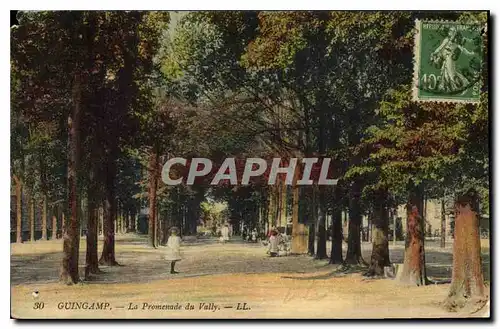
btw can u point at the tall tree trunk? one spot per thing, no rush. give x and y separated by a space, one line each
467 283
153 184
123 227
92 263
283 199
178 209
54 225
81 215
413 271
183 225
277 214
161 230
164 236
443 223
369 233
158 223
277 204
265 216
108 249
299 245
192 215
336 253
394 229
311 240
117 220
124 93
19 209
380 230
69 269
63 224
298 229
321 247
273 205
126 220
354 255
313 214
295 247
91 259
44 218
424 216
101 220
43 183
131 223
32 218
121 219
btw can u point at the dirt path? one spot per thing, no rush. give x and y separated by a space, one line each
284 287
39 262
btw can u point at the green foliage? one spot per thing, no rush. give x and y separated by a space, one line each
113 52
231 83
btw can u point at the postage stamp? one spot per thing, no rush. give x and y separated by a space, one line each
448 58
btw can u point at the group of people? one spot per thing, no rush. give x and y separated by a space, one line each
250 236
173 248
275 239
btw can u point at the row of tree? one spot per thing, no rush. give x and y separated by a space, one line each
100 100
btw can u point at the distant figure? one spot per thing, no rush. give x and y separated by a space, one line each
273 243
248 236
254 235
173 249
225 234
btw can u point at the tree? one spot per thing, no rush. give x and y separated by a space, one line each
421 148
35 38
18 137
86 72
137 45
336 256
467 279
69 271
472 165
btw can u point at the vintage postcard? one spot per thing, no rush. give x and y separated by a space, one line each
249 165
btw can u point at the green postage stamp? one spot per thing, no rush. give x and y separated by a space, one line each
448 59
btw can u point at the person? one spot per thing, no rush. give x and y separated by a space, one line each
225 233
173 249
254 235
273 244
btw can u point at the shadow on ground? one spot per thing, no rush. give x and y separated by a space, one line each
204 257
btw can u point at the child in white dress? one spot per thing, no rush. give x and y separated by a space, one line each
225 234
173 249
